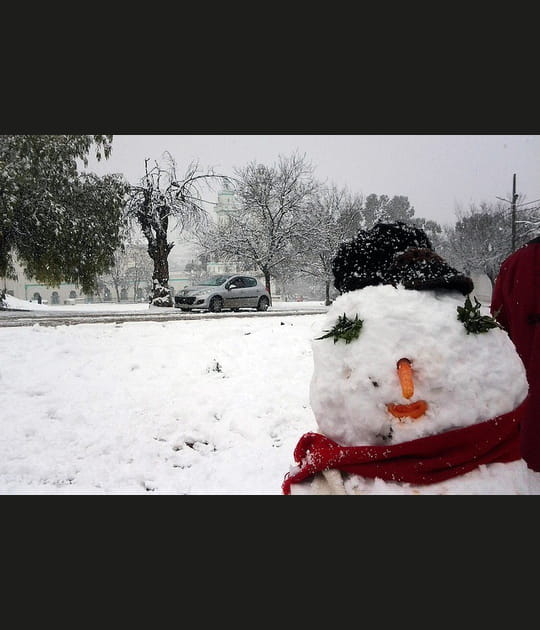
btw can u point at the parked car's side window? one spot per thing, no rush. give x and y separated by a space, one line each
237 283
249 282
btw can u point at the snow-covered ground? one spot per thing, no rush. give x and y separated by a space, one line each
185 407
14 303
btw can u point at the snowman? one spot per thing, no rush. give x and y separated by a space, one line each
414 390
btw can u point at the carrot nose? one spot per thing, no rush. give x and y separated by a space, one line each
405 374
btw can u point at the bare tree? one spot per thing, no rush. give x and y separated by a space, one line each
335 215
527 221
118 272
272 203
161 198
139 271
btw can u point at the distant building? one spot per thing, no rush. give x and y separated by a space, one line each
25 288
226 203
134 287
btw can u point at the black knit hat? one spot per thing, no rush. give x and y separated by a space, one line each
394 253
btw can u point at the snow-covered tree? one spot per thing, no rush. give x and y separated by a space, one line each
63 226
527 222
270 214
384 209
481 238
161 201
433 230
335 215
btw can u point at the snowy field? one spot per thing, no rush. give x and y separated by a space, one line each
187 407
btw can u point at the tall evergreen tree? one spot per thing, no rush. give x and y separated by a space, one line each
62 225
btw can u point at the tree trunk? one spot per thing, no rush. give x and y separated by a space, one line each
328 301
267 281
161 292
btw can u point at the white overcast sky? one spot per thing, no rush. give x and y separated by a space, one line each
438 173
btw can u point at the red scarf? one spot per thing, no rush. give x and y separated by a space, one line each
422 461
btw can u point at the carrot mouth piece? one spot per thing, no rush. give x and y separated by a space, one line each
413 410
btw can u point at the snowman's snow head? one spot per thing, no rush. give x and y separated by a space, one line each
404 357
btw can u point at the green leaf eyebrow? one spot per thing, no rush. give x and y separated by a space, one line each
473 321
345 329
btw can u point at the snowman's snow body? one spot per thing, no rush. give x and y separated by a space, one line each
463 378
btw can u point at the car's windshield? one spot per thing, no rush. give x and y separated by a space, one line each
213 281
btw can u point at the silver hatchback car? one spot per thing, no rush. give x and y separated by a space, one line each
232 291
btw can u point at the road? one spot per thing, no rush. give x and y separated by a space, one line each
12 318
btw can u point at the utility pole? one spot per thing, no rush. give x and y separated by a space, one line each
514 199
513 204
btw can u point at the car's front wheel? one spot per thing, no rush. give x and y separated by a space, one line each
263 304
216 304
